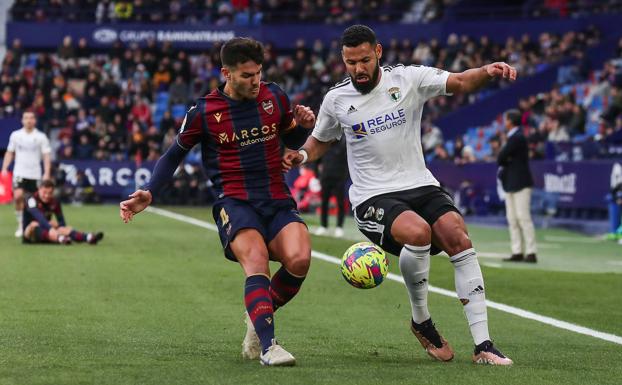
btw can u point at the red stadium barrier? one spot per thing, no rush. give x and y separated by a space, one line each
6 188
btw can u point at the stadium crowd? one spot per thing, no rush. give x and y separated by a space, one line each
234 12
126 102
588 110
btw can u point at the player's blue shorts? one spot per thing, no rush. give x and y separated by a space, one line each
268 217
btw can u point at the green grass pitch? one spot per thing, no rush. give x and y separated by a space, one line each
157 303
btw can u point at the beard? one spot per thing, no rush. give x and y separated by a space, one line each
366 88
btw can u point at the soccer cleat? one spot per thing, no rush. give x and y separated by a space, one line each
339 232
485 353
277 356
251 347
433 343
19 232
93 238
321 230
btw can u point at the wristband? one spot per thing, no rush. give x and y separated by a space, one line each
305 155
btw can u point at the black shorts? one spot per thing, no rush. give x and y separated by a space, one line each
267 217
375 216
29 185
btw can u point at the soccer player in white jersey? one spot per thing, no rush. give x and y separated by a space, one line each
28 146
397 202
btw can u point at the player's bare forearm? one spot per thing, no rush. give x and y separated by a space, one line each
8 158
473 79
47 166
313 148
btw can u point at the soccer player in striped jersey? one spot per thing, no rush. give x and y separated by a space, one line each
397 202
44 221
241 127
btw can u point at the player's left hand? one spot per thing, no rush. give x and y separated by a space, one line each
501 69
304 116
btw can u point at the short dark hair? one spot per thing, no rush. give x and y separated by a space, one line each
240 50
47 183
358 34
514 116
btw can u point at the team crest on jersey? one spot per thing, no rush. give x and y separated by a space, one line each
395 93
268 106
359 130
217 116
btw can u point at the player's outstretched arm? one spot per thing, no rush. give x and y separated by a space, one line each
162 175
312 150
475 78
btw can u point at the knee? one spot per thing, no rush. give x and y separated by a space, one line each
298 263
458 243
416 234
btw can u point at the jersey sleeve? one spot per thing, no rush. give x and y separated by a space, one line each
45 145
428 81
327 127
287 119
12 145
191 130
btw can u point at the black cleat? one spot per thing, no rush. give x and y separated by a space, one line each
531 258
96 237
515 258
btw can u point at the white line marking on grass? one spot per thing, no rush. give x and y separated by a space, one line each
448 293
578 239
495 265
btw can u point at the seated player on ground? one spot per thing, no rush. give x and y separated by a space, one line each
40 227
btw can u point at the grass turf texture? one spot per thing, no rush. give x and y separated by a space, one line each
157 303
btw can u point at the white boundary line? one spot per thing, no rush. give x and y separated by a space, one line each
448 293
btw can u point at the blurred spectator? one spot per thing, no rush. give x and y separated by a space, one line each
333 170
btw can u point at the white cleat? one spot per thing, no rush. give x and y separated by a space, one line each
19 232
339 232
251 347
321 230
277 356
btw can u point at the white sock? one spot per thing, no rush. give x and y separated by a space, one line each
415 268
470 290
19 215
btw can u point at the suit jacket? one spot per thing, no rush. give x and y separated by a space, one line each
514 163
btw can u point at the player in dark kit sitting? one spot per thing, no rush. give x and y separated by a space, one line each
40 227
240 126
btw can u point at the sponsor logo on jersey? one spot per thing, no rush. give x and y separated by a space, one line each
379 124
351 110
249 136
359 130
395 93
268 106
218 116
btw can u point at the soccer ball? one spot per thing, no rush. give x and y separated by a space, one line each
364 265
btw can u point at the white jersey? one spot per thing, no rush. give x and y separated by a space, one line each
28 149
383 129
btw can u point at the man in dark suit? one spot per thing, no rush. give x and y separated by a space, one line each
517 183
333 176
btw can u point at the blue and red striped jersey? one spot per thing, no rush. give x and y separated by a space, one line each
241 144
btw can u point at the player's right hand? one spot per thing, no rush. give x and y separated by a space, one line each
139 200
291 159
